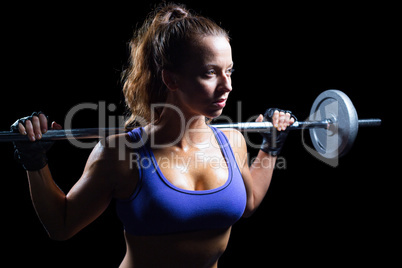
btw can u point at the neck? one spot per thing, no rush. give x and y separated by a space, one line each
175 128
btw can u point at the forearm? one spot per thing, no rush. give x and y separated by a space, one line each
261 172
273 141
48 200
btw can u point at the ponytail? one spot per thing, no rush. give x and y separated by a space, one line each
156 46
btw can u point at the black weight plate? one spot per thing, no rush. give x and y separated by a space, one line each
334 105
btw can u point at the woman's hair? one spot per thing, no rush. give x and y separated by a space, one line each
159 45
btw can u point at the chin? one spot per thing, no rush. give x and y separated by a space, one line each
214 114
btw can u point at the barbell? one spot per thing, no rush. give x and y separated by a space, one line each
333 125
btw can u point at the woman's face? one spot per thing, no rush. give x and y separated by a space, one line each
204 82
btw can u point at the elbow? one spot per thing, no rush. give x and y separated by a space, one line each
60 235
248 212
247 215
58 238
61 231
251 207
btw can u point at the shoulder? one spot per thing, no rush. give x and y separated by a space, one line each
239 146
106 156
111 147
110 159
236 139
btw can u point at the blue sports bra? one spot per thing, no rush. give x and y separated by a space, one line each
158 207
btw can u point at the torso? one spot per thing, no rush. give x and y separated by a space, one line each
191 249
196 249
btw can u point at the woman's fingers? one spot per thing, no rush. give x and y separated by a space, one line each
36 124
43 123
56 126
29 130
34 127
21 129
275 119
282 120
259 118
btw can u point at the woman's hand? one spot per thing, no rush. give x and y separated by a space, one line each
280 119
32 155
35 126
273 142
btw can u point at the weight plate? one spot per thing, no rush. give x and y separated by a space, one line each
336 106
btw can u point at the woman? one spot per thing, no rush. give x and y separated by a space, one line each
190 182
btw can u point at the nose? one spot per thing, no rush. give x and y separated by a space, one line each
225 82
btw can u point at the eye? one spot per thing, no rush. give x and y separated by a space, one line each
211 72
230 71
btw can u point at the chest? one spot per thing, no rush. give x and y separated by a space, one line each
194 169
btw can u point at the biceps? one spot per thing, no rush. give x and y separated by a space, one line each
86 201
248 183
243 163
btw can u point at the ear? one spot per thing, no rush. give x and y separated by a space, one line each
170 80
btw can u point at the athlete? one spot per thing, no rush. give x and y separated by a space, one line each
190 182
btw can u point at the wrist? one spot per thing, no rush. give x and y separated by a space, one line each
32 155
264 161
32 162
39 172
270 148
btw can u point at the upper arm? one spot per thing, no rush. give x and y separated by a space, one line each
91 195
239 147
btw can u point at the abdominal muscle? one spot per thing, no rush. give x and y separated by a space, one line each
194 249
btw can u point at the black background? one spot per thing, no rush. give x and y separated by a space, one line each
57 56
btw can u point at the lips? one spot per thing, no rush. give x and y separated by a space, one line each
220 102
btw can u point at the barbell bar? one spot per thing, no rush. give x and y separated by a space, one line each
333 126
95 133
268 126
